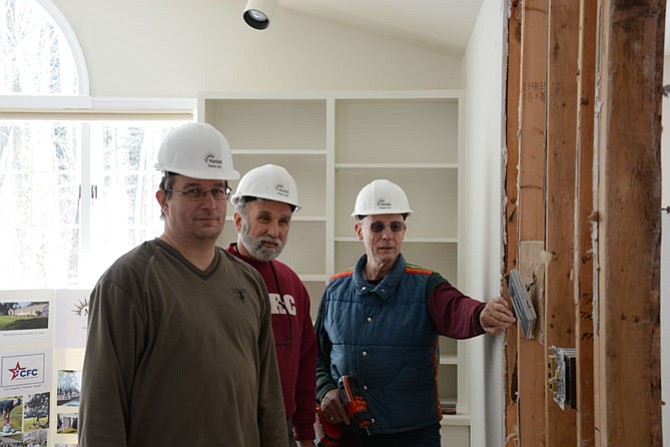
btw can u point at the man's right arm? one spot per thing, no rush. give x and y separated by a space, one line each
108 371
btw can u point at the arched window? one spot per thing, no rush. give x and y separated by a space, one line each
76 186
39 52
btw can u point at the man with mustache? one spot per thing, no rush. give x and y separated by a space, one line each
265 201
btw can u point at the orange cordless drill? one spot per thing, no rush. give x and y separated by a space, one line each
327 433
354 402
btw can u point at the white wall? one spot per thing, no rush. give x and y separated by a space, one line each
175 48
484 72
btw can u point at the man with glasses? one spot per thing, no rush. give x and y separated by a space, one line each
379 323
180 348
265 200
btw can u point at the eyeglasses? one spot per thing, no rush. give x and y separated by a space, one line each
378 226
197 194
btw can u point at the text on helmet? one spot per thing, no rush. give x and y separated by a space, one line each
281 191
382 204
212 161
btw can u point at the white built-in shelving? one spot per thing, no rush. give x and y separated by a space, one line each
333 143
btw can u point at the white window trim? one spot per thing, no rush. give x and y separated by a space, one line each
70 36
188 105
53 103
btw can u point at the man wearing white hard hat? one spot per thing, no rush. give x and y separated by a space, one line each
265 200
379 323
180 349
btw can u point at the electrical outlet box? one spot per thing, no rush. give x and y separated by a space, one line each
563 376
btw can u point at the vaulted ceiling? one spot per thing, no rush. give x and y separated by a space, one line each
443 25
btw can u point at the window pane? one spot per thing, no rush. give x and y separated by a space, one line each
36 57
39 257
51 236
39 191
55 199
15 193
125 212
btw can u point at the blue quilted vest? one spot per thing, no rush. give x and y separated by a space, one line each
382 335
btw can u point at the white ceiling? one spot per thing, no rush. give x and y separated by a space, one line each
443 25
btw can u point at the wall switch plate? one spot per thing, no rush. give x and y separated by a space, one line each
523 306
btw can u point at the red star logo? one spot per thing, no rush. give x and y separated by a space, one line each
16 370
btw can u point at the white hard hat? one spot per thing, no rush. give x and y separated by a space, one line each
197 150
269 182
381 197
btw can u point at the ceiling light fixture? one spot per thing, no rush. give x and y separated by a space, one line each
258 12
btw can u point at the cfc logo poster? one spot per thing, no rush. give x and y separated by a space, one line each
25 371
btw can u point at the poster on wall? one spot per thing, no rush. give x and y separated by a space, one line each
25 396
68 388
25 317
25 419
71 318
67 423
25 372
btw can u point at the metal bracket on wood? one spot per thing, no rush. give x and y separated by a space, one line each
563 376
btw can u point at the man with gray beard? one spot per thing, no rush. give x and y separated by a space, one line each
265 201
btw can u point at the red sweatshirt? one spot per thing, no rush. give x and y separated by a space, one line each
295 341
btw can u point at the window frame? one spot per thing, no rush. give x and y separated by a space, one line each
73 42
85 108
103 110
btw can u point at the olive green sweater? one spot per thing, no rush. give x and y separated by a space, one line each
180 357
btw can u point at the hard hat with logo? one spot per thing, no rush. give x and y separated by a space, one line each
197 150
270 182
381 197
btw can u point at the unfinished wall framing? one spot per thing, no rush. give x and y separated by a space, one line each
583 189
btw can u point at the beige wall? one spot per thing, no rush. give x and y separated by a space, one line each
175 48
665 251
484 78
